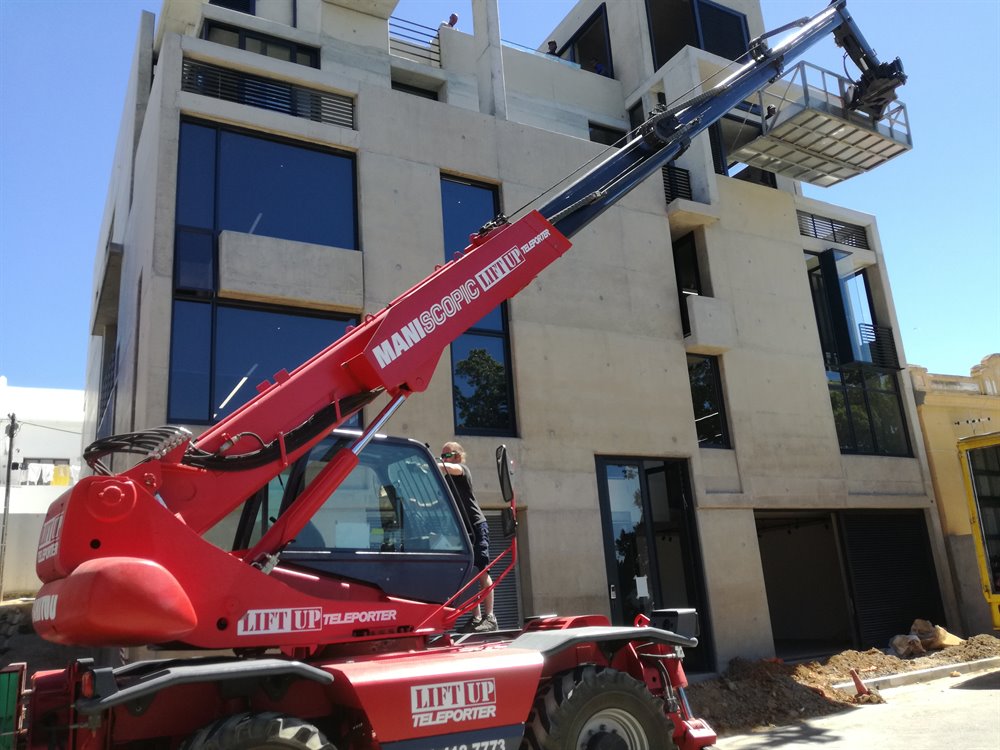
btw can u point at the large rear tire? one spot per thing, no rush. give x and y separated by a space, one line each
597 709
266 731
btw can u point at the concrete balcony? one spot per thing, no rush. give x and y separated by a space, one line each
713 325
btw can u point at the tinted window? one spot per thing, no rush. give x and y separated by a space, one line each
605 135
196 177
867 411
706 396
261 44
190 361
480 378
688 276
243 6
483 391
194 260
590 46
278 190
252 345
723 31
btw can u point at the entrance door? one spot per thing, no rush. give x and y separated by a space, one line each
650 544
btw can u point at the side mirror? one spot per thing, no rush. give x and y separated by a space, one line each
507 515
503 474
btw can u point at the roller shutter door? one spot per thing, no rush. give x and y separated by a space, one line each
891 573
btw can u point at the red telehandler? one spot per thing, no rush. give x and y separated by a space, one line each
336 608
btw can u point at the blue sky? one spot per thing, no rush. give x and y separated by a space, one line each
64 67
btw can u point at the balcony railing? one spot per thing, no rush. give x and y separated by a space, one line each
820 227
880 344
267 93
414 42
676 183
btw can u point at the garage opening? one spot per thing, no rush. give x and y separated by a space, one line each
845 579
806 583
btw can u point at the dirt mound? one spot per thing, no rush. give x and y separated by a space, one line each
753 694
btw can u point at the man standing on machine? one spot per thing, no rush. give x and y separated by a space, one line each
453 465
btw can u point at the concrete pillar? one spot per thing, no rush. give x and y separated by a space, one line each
489 58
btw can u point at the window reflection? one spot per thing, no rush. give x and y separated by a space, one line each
227 180
277 190
482 386
706 397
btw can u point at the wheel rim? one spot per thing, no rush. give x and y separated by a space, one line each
612 729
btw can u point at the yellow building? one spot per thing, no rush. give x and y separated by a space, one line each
952 407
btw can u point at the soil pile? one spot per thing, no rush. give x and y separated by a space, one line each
753 694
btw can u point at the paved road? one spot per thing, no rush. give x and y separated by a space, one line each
949 713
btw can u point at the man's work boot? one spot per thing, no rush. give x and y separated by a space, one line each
487 624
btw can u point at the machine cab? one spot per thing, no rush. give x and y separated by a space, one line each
392 523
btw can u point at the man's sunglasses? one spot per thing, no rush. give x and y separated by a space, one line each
448 455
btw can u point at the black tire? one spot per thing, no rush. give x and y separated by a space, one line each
258 732
597 709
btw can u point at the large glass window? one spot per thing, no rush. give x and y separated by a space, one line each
261 44
482 384
221 350
688 276
706 397
861 370
277 190
868 411
674 24
590 47
243 6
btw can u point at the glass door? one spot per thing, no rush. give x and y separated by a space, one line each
650 544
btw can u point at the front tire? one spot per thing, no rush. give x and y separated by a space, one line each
597 709
266 731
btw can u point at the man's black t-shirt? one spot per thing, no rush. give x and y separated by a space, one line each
467 500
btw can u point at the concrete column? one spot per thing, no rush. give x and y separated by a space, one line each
489 58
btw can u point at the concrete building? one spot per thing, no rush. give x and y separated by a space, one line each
702 398
44 461
953 407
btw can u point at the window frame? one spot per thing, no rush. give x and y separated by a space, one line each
228 5
685 253
206 293
500 332
725 440
850 442
312 53
610 136
699 25
569 50
216 304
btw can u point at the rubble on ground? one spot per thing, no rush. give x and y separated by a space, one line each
754 694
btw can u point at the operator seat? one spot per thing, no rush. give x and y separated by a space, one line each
347 518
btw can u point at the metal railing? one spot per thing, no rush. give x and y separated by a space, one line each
106 398
414 41
880 343
676 183
823 228
267 93
812 87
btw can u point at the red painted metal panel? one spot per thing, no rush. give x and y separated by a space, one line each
441 693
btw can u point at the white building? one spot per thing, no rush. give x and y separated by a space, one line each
45 461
